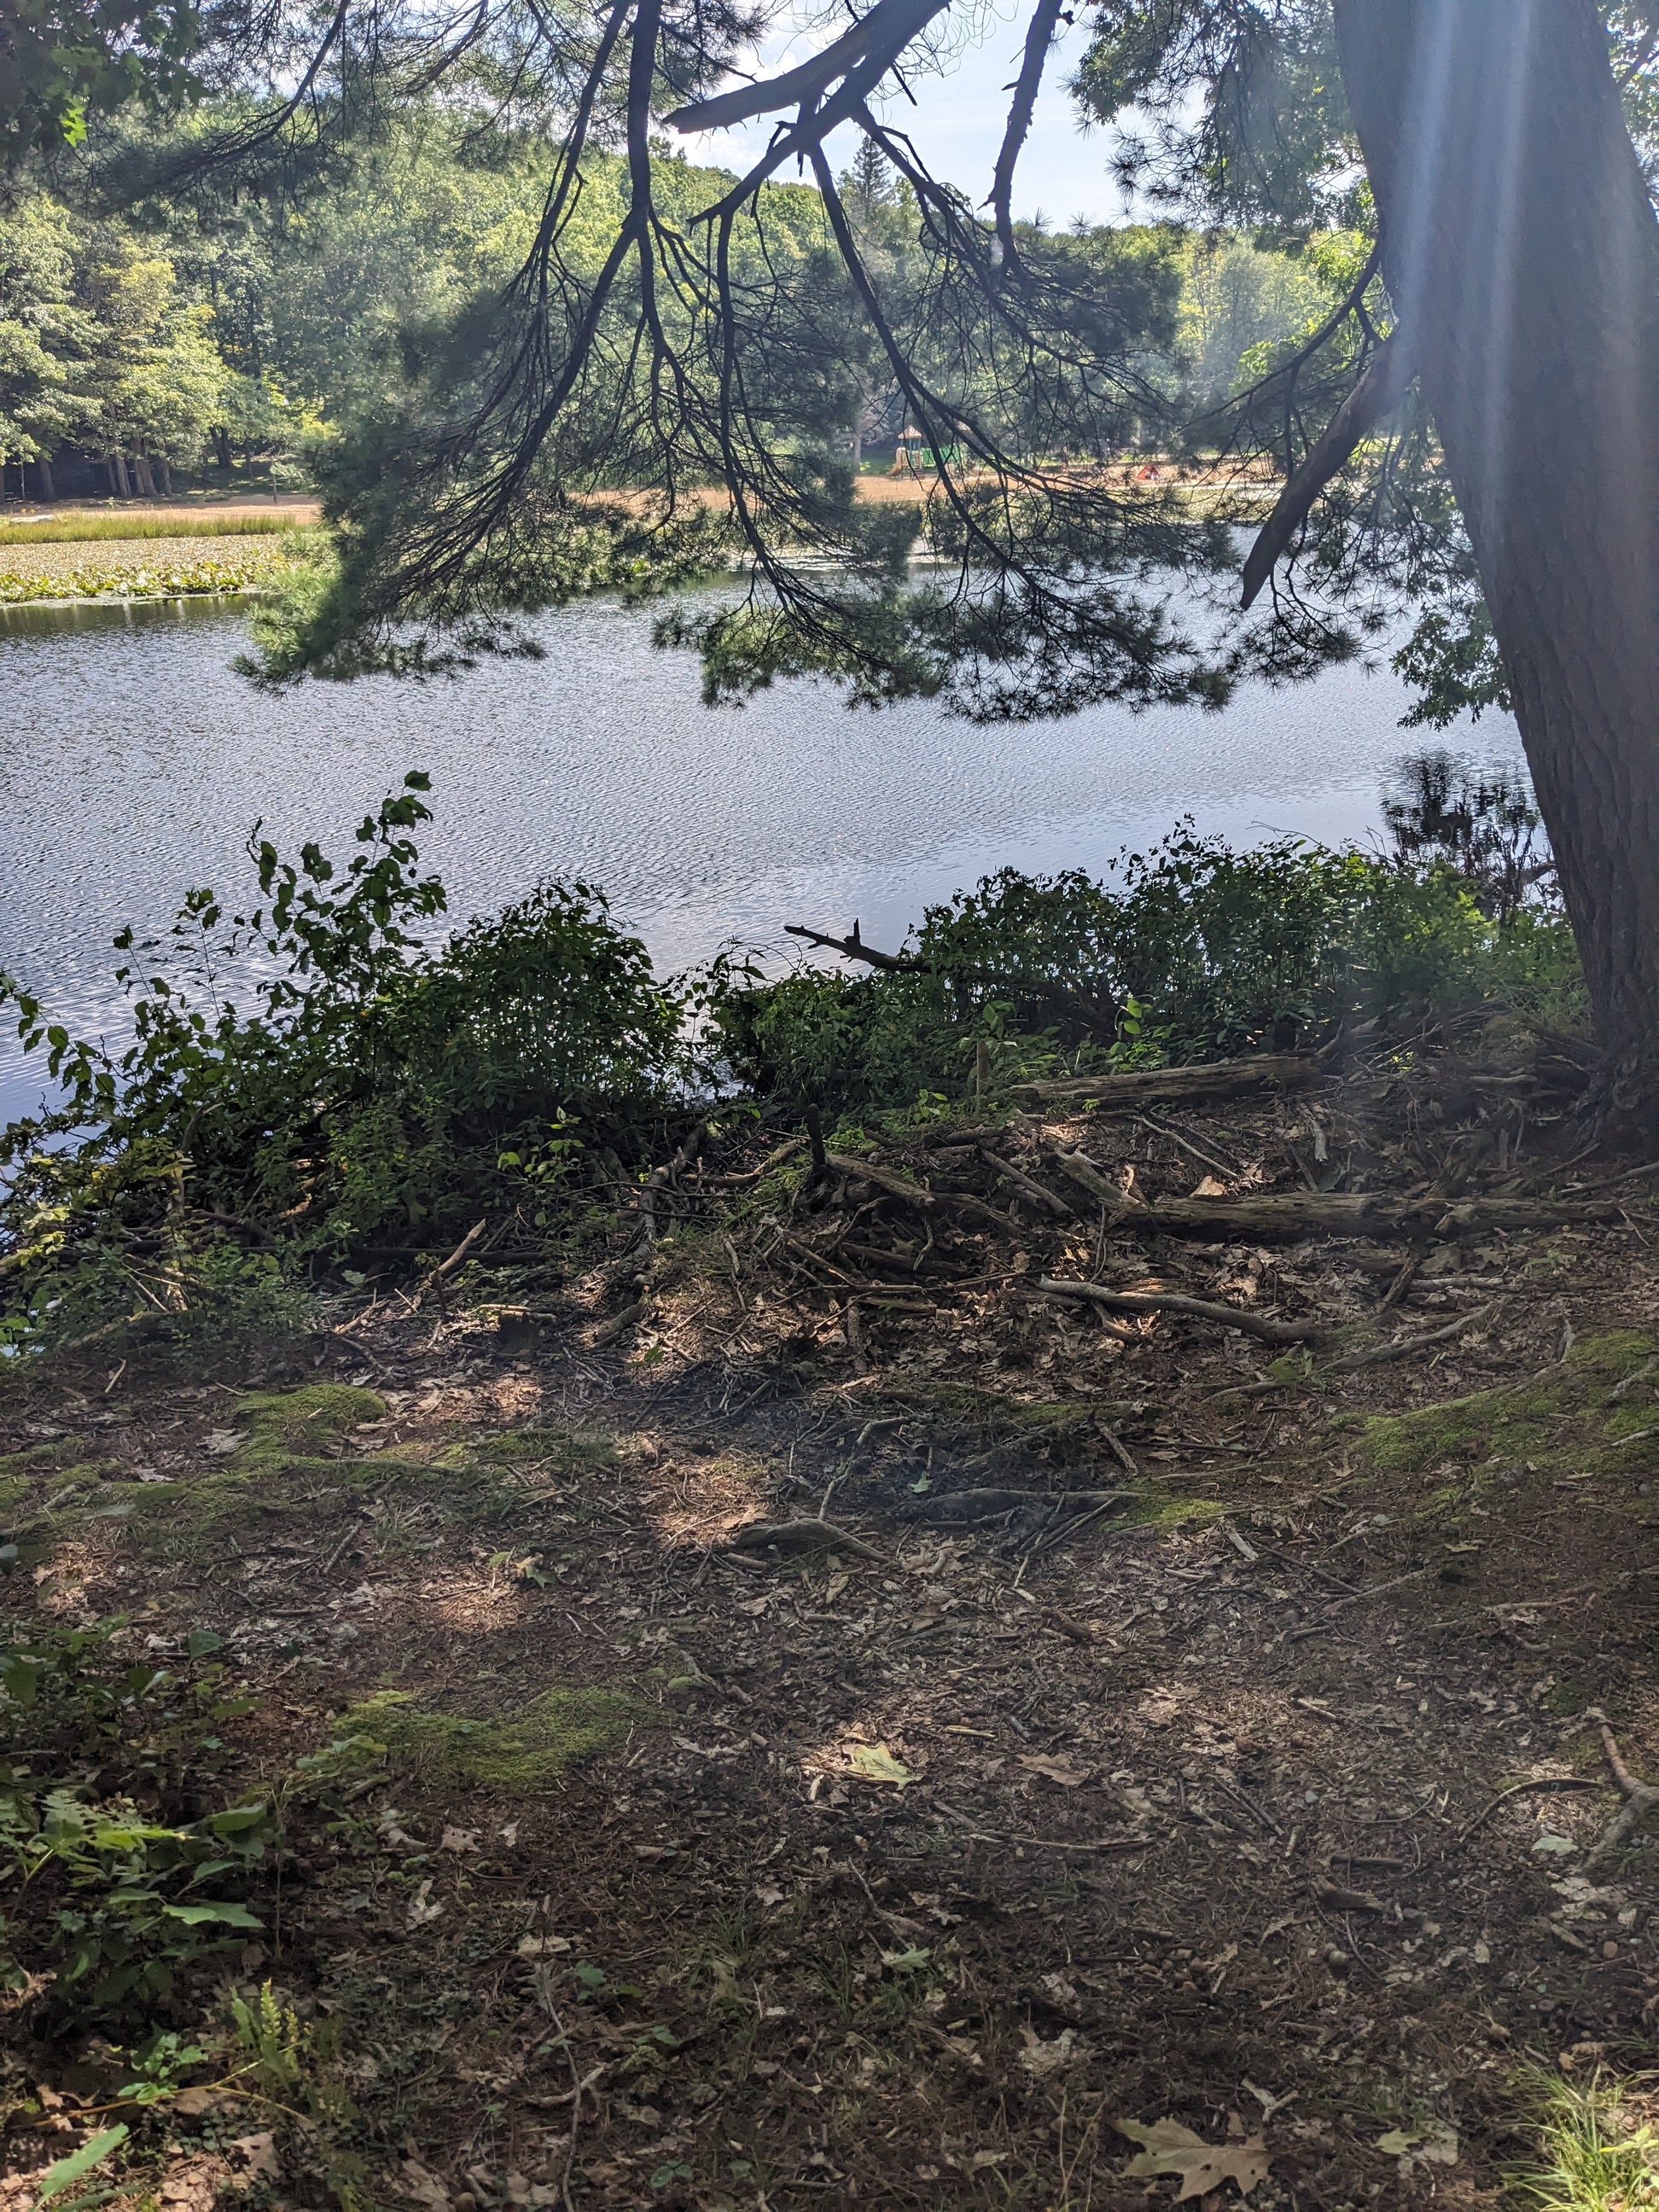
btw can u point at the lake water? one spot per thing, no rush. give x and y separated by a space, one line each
134 761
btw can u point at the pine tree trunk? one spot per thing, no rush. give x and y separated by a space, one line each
1522 254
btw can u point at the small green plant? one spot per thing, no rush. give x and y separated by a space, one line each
104 1897
157 2066
1598 2142
60 2179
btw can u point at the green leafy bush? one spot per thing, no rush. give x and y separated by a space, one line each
372 1085
1193 953
106 1891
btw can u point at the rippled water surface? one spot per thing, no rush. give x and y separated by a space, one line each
133 762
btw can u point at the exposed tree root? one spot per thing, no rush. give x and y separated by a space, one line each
1641 1796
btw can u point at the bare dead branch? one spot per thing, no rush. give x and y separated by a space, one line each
1144 1302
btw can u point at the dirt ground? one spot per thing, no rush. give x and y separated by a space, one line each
817 1719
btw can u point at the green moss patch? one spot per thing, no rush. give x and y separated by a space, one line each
1167 1515
41 1459
1567 1420
567 1450
518 1753
283 1425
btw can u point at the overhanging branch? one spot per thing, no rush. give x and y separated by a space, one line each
1378 394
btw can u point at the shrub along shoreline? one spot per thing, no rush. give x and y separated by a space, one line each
374 1094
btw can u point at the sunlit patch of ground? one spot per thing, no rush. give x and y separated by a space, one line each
914 1860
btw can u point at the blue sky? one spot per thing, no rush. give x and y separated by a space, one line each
957 119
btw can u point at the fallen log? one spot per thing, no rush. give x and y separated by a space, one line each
912 1193
1220 1079
799 1536
1294 1215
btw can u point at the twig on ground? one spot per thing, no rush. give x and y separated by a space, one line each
608 1331
768 1166
1642 1796
1518 1789
1228 1168
1359 1597
1026 1186
1270 1332
1244 1798
1401 1283
580 2082
1082 1170
1119 1451
446 1267
801 1536
659 1178
1375 1354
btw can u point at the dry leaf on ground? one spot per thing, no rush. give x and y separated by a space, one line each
1054 1770
1171 2148
422 2186
873 1762
1041 2059
1434 2142
422 1910
253 2158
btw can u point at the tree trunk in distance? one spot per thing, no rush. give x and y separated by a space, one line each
44 466
165 467
124 488
1522 254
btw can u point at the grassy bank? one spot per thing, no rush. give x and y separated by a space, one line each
87 526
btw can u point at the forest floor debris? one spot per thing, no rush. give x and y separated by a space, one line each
865 1731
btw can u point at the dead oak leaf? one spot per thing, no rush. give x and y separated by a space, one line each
1054 1770
253 2158
1041 2059
1170 2149
423 2187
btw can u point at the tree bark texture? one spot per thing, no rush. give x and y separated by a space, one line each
1522 254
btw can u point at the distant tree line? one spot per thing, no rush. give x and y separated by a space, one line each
144 331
